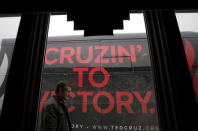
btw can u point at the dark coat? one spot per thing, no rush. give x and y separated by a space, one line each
54 116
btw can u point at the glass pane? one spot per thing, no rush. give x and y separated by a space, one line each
110 77
8 31
189 30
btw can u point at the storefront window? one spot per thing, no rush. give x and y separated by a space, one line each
110 77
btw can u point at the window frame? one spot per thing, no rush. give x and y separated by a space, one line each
23 84
175 96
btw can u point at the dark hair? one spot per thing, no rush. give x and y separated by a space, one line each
61 85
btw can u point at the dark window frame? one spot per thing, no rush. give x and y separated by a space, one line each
20 104
174 90
23 84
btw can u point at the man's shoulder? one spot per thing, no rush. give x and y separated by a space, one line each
50 102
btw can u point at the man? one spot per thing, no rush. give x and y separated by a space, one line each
54 116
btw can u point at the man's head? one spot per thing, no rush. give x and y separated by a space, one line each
63 90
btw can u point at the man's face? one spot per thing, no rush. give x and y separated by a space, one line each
68 91
65 93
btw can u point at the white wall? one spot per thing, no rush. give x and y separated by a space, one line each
187 21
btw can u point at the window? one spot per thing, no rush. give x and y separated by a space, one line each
8 31
111 78
189 32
